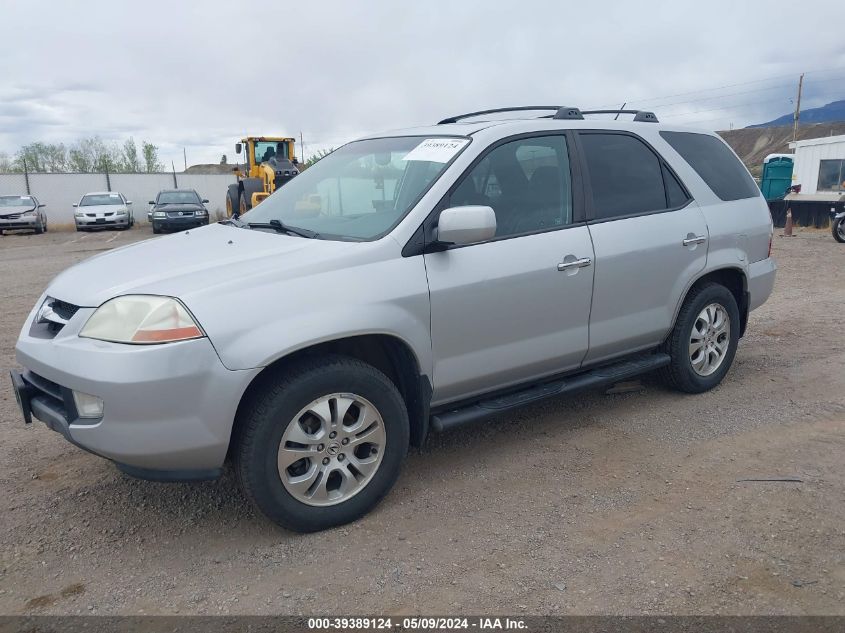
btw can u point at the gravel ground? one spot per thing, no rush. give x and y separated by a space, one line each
611 504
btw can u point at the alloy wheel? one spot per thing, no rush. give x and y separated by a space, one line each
331 449
710 339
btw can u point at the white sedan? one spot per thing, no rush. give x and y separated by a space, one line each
103 209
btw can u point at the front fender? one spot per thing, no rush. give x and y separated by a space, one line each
260 324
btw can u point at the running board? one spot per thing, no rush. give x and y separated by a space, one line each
592 379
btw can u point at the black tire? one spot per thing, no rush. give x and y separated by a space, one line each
39 229
680 374
156 230
232 201
243 206
263 420
837 228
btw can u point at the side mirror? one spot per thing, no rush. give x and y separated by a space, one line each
151 202
128 202
76 205
41 206
204 201
238 148
466 225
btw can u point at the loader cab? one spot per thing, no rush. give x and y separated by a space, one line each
258 150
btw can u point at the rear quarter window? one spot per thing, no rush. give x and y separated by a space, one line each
715 163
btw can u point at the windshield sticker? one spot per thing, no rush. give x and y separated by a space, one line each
437 150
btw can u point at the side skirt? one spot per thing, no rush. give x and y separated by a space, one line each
595 378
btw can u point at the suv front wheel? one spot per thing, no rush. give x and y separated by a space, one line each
704 340
321 444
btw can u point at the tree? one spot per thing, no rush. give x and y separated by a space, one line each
131 162
317 156
223 160
151 161
86 155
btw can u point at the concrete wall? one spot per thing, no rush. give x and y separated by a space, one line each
807 156
60 191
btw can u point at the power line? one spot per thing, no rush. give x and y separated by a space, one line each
728 108
735 106
745 92
743 83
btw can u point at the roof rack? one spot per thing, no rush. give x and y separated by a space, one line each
561 112
455 119
639 115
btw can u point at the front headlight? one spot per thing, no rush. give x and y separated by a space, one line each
121 211
202 212
142 319
159 214
28 213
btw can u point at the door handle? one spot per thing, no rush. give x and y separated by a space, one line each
698 239
575 263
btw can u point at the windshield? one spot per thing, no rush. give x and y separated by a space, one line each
178 197
265 150
97 199
16 201
363 189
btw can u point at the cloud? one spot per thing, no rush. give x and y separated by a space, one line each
202 75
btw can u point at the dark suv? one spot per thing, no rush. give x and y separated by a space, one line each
175 209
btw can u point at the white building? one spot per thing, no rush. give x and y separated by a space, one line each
819 168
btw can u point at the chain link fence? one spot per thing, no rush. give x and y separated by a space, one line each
59 192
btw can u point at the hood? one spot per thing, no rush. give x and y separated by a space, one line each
7 211
197 262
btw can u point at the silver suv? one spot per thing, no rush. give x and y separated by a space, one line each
408 282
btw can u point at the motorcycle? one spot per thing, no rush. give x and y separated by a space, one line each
837 225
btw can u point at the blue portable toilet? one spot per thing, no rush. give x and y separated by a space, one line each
777 175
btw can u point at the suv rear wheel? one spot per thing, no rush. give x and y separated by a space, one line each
704 340
322 444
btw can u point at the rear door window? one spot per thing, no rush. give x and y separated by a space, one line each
715 163
625 175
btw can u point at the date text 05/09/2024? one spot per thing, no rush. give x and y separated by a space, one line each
416 623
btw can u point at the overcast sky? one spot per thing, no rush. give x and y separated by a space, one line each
199 75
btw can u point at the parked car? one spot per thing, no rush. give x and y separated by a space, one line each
409 282
176 209
103 209
22 212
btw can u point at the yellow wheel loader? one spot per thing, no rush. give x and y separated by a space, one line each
269 162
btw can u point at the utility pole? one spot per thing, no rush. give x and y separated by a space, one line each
185 156
302 147
797 109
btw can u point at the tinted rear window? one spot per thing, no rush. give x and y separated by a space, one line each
715 163
625 175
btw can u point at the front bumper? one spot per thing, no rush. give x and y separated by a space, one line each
22 222
761 282
118 220
176 224
168 409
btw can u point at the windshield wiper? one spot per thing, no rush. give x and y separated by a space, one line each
281 227
234 222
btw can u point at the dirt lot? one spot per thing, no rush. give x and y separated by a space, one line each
596 504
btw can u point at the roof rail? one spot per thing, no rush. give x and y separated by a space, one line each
639 115
561 112
455 119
